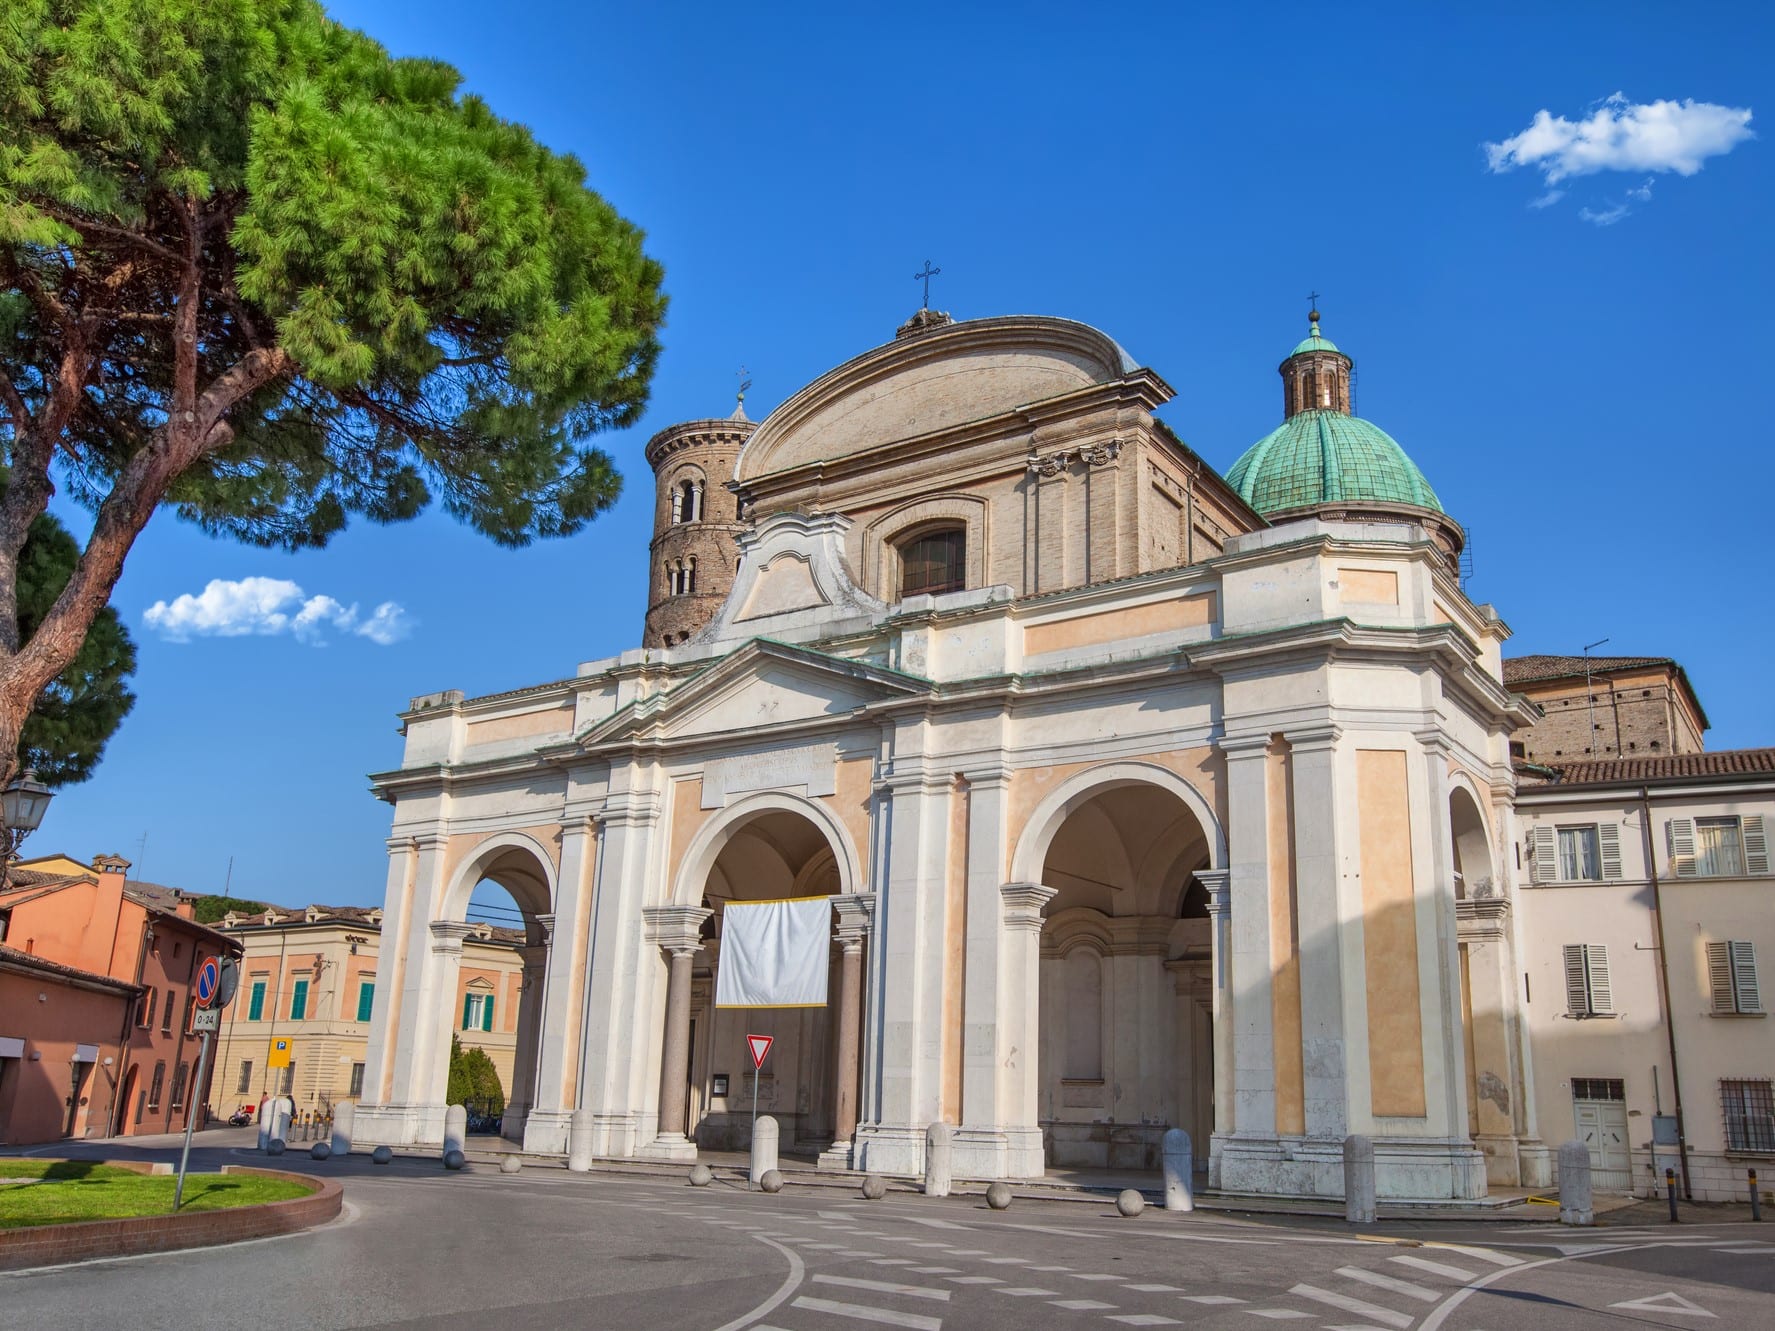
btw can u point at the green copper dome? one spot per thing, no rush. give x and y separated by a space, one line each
1328 457
1314 342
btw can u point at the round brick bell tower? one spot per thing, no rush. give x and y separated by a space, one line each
695 550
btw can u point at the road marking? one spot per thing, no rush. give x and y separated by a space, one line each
1213 1299
1079 1275
1145 1319
1026 1291
1483 1254
863 1313
976 1280
885 1287
1667 1302
1436 1268
935 1270
1380 1281
1081 1305
858 1252
1277 1314
1000 1261
1750 1252
893 1261
1360 1307
1064 1270
1158 1289
969 1252
797 1269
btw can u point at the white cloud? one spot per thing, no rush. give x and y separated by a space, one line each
1643 193
1607 216
1619 135
265 607
1548 199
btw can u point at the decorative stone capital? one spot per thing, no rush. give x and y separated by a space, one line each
1052 465
546 924
677 929
447 936
1311 739
1481 918
856 918
1023 903
1218 884
1101 455
1237 747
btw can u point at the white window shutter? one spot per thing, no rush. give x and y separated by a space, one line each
1608 840
1719 977
1577 991
1744 977
1756 845
1543 855
1682 846
1596 960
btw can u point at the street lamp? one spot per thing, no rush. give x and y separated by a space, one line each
22 805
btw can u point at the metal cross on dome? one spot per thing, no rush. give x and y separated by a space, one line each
1313 301
928 273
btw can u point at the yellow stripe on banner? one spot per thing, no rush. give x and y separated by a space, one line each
758 1006
774 901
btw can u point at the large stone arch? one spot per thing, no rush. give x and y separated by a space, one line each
1079 789
499 858
691 875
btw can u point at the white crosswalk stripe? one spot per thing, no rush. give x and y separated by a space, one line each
1483 1254
1437 1268
884 1287
864 1313
1387 1282
1361 1307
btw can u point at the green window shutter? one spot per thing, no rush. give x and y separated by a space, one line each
1719 977
366 998
299 1001
1608 840
256 1005
487 1013
1756 845
1744 977
468 1007
1543 855
1682 846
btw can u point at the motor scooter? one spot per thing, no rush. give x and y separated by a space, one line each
241 1117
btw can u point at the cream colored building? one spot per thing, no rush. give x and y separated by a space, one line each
1647 903
309 976
1145 797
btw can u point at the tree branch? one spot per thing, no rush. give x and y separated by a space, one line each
123 235
18 415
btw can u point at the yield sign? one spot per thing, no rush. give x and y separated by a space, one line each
1667 1302
760 1046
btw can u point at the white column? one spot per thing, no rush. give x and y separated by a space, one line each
415 1067
910 950
617 1052
556 1092
530 996
1319 926
1216 883
856 917
987 1137
1020 1010
677 932
385 1016
1253 1031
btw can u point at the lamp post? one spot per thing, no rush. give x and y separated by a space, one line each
22 805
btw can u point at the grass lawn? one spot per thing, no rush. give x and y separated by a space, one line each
78 1190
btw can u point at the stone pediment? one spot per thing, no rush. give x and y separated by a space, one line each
793 582
762 684
958 373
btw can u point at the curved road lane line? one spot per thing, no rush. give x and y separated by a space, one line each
796 1271
1455 1300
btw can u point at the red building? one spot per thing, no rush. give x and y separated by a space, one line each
104 925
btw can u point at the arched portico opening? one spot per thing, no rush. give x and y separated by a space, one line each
1495 1112
764 849
1126 1014
493 937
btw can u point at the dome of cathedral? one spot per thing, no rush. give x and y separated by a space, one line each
1314 342
1326 456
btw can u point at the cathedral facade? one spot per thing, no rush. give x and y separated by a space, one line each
1145 797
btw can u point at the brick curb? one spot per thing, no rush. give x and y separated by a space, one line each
80 1240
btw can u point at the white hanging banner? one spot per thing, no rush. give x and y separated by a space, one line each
774 953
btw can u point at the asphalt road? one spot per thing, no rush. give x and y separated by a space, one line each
422 1247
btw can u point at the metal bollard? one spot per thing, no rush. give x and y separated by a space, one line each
1670 1192
1756 1201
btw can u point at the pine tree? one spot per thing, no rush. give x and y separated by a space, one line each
257 271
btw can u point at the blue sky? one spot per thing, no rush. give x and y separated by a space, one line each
1582 382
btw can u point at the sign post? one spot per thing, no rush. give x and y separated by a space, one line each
217 980
759 1045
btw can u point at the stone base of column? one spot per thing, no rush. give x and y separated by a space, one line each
615 1135
1405 1168
1503 1167
545 1131
998 1153
1536 1163
836 1158
398 1125
671 1146
890 1148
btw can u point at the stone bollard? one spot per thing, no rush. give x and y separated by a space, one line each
454 1159
874 1187
939 1152
579 1141
1180 1171
342 1124
319 1151
764 1148
1130 1202
275 1146
771 1180
998 1196
510 1164
455 1128
382 1155
1358 1180
282 1110
701 1176
1575 1206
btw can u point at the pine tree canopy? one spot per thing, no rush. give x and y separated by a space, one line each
255 269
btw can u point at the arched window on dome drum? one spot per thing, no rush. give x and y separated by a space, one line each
934 562
687 502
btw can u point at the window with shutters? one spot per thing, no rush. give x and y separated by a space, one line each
256 1003
366 999
166 1014
246 1077
1575 853
1722 847
934 563
1749 1107
1732 979
155 1084
299 1001
183 1071
1587 981
472 1005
